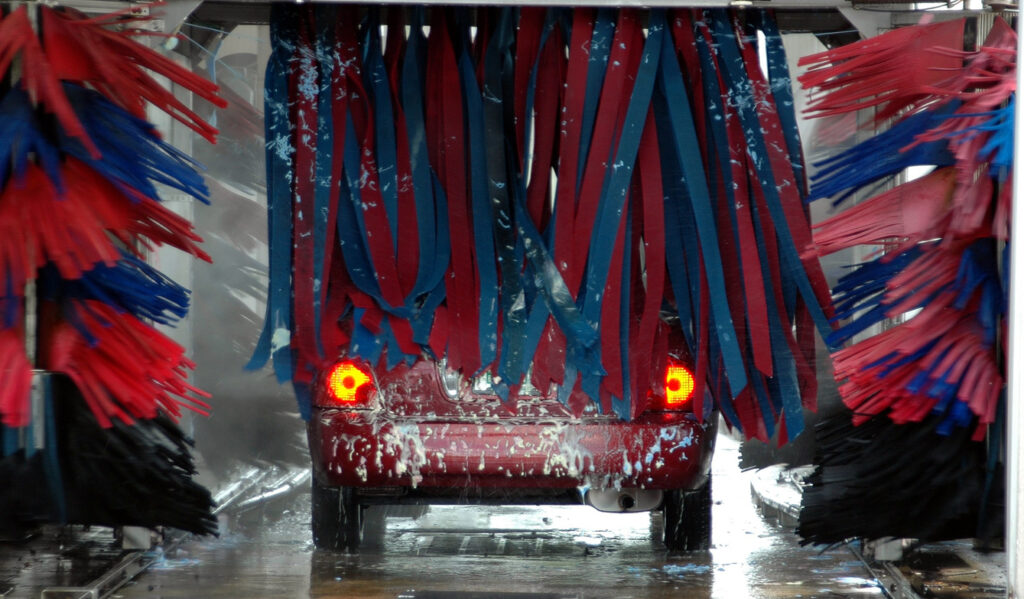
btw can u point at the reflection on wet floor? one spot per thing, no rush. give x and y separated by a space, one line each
495 552
473 595
564 551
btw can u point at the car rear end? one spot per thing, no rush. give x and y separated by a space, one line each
423 433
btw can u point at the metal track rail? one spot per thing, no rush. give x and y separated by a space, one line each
892 582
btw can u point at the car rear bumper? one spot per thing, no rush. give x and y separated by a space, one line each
367 450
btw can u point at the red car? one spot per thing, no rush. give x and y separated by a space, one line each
425 434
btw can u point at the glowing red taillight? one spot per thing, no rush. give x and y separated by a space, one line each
347 384
679 384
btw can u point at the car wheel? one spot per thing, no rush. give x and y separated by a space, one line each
687 517
337 518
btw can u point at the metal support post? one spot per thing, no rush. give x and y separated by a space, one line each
1015 361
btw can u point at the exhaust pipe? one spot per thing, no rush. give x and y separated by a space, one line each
624 500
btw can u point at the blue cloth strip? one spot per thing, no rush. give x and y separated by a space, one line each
375 79
623 406
274 341
497 101
782 92
351 228
685 139
365 343
682 251
483 212
431 208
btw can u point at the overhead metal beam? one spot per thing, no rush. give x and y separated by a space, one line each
793 16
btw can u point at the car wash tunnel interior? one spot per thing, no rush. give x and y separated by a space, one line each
342 299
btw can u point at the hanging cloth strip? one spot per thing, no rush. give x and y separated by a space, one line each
782 93
485 234
326 195
641 348
503 187
606 79
541 96
444 118
275 338
548 75
431 204
305 81
776 183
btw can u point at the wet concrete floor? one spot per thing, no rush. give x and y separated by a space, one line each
514 553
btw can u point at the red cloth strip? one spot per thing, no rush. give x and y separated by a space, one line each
547 103
611 318
408 232
447 153
653 216
531 24
395 48
553 344
569 143
753 281
337 288
303 76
